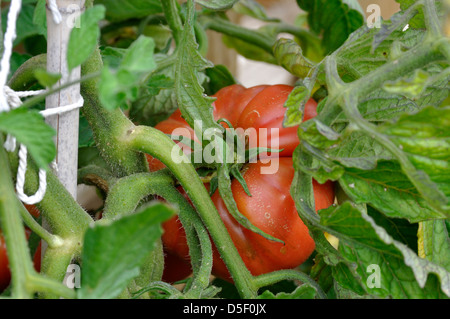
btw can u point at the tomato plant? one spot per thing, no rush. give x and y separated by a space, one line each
5 275
260 107
144 114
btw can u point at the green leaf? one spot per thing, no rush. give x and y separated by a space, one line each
301 292
334 20
25 26
312 162
387 267
86 135
83 39
30 129
193 103
434 242
120 85
389 190
114 251
409 87
218 77
418 22
40 17
139 56
118 10
425 139
358 150
318 134
397 22
295 104
45 78
217 4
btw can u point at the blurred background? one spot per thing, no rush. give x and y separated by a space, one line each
250 73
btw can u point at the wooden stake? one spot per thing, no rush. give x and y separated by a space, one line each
66 124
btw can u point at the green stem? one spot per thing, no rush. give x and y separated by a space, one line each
157 144
65 216
50 239
171 12
50 286
418 57
277 276
434 28
228 28
24 77
20 262
162 184
108 126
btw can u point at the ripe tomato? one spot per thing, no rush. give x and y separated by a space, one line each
253 109
5 274
175 267
270 207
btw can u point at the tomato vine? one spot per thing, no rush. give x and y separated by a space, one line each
380 134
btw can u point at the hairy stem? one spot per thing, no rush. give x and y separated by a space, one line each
13 231
157 144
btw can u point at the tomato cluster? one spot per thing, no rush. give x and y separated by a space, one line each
270 208
5 274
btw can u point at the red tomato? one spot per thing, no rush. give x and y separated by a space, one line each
270 207
254 109
5 274
175 267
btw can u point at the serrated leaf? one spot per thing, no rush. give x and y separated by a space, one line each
192 101
312 163
418 21
295 104
83 39
335 20
301 292
410 87
386 267
397 22
356 60
359 151
318 134
120 85
425 139
434 242
389 190
30 129
113 252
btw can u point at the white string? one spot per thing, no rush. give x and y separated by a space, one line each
53 7
10 145
39 195
9 38
10 99
63 109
